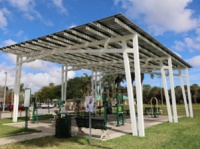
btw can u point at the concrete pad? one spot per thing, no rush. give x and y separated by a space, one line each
47 128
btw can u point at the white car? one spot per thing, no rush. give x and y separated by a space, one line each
47 105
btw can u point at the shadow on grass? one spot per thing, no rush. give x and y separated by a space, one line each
75 142
8 131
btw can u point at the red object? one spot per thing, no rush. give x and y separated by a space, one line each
10 107
21 108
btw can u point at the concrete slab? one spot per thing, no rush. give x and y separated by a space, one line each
47 128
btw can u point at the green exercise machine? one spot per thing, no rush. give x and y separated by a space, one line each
35 111
119 107
155 110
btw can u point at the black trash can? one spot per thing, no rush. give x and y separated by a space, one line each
63 127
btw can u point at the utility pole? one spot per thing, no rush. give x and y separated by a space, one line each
5 92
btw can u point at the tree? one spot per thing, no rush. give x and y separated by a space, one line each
109 82
146 91
75 88
178 94
86 84
119 78
46 92
154 92
194 92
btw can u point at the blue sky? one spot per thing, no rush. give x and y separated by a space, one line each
176 24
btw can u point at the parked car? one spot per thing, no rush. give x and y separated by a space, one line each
20 108
47 105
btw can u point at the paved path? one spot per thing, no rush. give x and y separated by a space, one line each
48 129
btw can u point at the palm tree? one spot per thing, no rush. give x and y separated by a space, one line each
86 84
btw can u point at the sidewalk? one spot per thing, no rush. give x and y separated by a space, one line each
48 129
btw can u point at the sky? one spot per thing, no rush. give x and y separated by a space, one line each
174 23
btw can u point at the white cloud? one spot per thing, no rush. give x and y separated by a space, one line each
23 5
161 16
71 26
9 42
3 20
189 43
37 80
29 16
59 5
194 61
28 8
39 74
179 46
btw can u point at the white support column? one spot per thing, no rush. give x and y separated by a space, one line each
62 83
172 90
95 84
17 88
130 91
166 95
100 91
92 84
138 87
184 96
65 83
188 90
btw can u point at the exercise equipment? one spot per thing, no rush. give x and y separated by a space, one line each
35 111
119 107
155 110
60 104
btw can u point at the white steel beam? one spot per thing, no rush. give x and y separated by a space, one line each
184 96
188 90
130 92
142 37
65 80
92 81
56 41
166 95
172 90
95 84
17 88
138 86
62 82
96 32
63 50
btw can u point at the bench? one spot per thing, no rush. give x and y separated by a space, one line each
97 123
150 111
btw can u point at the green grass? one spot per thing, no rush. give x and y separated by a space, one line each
184 134
180 108
6 131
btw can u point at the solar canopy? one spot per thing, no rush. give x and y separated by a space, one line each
96 46
113 44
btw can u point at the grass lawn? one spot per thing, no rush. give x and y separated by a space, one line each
6 131
182 135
